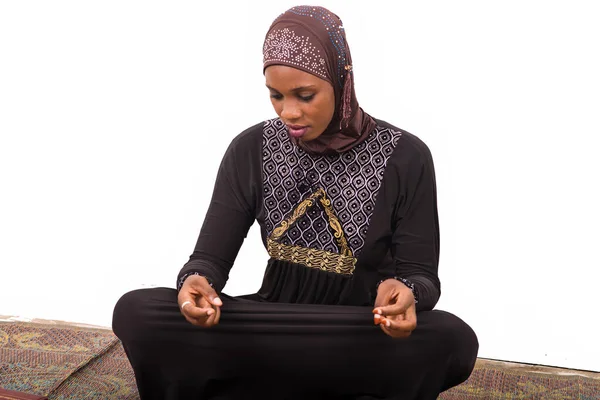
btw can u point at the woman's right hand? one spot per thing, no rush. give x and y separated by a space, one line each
198 302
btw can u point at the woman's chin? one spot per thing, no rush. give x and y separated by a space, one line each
310 137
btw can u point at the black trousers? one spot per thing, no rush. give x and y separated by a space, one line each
264 350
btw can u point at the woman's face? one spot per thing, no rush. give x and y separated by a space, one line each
304 102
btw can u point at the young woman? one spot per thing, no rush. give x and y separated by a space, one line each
347 209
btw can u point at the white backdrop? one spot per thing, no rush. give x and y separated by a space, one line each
114 116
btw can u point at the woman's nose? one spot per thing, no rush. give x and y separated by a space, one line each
290 111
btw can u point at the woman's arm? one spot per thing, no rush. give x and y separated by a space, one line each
231 212
415 239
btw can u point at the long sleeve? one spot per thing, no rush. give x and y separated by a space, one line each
231 213
415 238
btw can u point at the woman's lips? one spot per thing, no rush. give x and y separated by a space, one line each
297 131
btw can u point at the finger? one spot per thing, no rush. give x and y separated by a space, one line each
200 321
193 321
195 309
392 309
404 325
202 286
191 304
394 332
214 318
377 319
195 312
209 321
217 315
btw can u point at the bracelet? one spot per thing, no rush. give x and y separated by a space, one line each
406 282
184 277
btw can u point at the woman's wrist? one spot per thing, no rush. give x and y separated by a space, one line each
184 277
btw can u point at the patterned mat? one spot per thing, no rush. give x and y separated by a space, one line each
495 380
65 362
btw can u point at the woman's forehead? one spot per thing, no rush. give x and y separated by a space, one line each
288 78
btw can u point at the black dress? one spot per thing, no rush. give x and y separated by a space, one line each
334 225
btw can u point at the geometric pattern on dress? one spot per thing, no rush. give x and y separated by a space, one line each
350 179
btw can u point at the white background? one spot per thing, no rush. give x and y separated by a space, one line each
114 116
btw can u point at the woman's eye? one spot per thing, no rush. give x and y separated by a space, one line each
276 96
307 98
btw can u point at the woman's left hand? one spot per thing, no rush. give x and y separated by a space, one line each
395 310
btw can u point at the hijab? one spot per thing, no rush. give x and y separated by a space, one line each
313 40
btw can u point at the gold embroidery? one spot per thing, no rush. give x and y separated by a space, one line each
342 263
334 222
299 211
321 259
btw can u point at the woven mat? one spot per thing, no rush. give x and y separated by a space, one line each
498 380
66 362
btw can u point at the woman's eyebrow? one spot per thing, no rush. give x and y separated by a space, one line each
296 89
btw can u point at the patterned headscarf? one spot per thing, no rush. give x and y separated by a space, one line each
313 40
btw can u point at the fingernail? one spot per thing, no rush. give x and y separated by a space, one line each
378 311
217 301
387 322
377 316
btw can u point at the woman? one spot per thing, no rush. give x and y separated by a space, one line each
347 210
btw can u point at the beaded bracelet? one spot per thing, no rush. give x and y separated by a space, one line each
406 282
183 278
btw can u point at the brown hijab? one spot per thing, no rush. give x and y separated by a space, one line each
313 40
